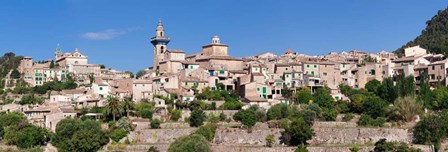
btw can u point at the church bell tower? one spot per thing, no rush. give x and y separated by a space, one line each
159 42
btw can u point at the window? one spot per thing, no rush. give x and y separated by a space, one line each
101 88
186 83
315 66
286 69
258 89
221 72
307 65
325 73
281 77
433 67
287 75
312 72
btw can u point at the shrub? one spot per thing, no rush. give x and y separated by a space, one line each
270 140
309 116
382 145
366 120
208 131
191 143
355 149
301 148
297 133
348 117
176 115
153 149
329 115
212 118
196 118
406 108
222 116
155 124
117 134
247 117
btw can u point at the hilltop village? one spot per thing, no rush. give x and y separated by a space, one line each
343 101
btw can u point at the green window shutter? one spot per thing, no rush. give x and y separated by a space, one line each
221 72
258 89
186 83
312 72
287 75
101 88
307 65
264 90
315 66
286 68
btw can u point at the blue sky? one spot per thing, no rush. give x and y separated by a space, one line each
116 32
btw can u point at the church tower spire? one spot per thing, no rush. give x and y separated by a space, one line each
58 51
159 41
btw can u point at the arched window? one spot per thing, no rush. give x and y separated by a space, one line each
161 49
161 34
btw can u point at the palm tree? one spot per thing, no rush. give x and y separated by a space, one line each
113 106
128 104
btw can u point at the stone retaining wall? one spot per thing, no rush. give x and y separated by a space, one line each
234 136
152 136
358 135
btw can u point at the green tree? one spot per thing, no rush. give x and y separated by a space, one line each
144 109
373 85
51 64
15 74
140 73
424 92
277 112
304 95
191 143
323 98
405 86
130 73
387 90
197 118
431 130
76 135
375 106
297 133
128 106
113 106
208 131
247 117
10 119
26 135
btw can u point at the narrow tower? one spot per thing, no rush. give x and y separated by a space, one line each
159 42
57 52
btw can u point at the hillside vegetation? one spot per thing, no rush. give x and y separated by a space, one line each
434 37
